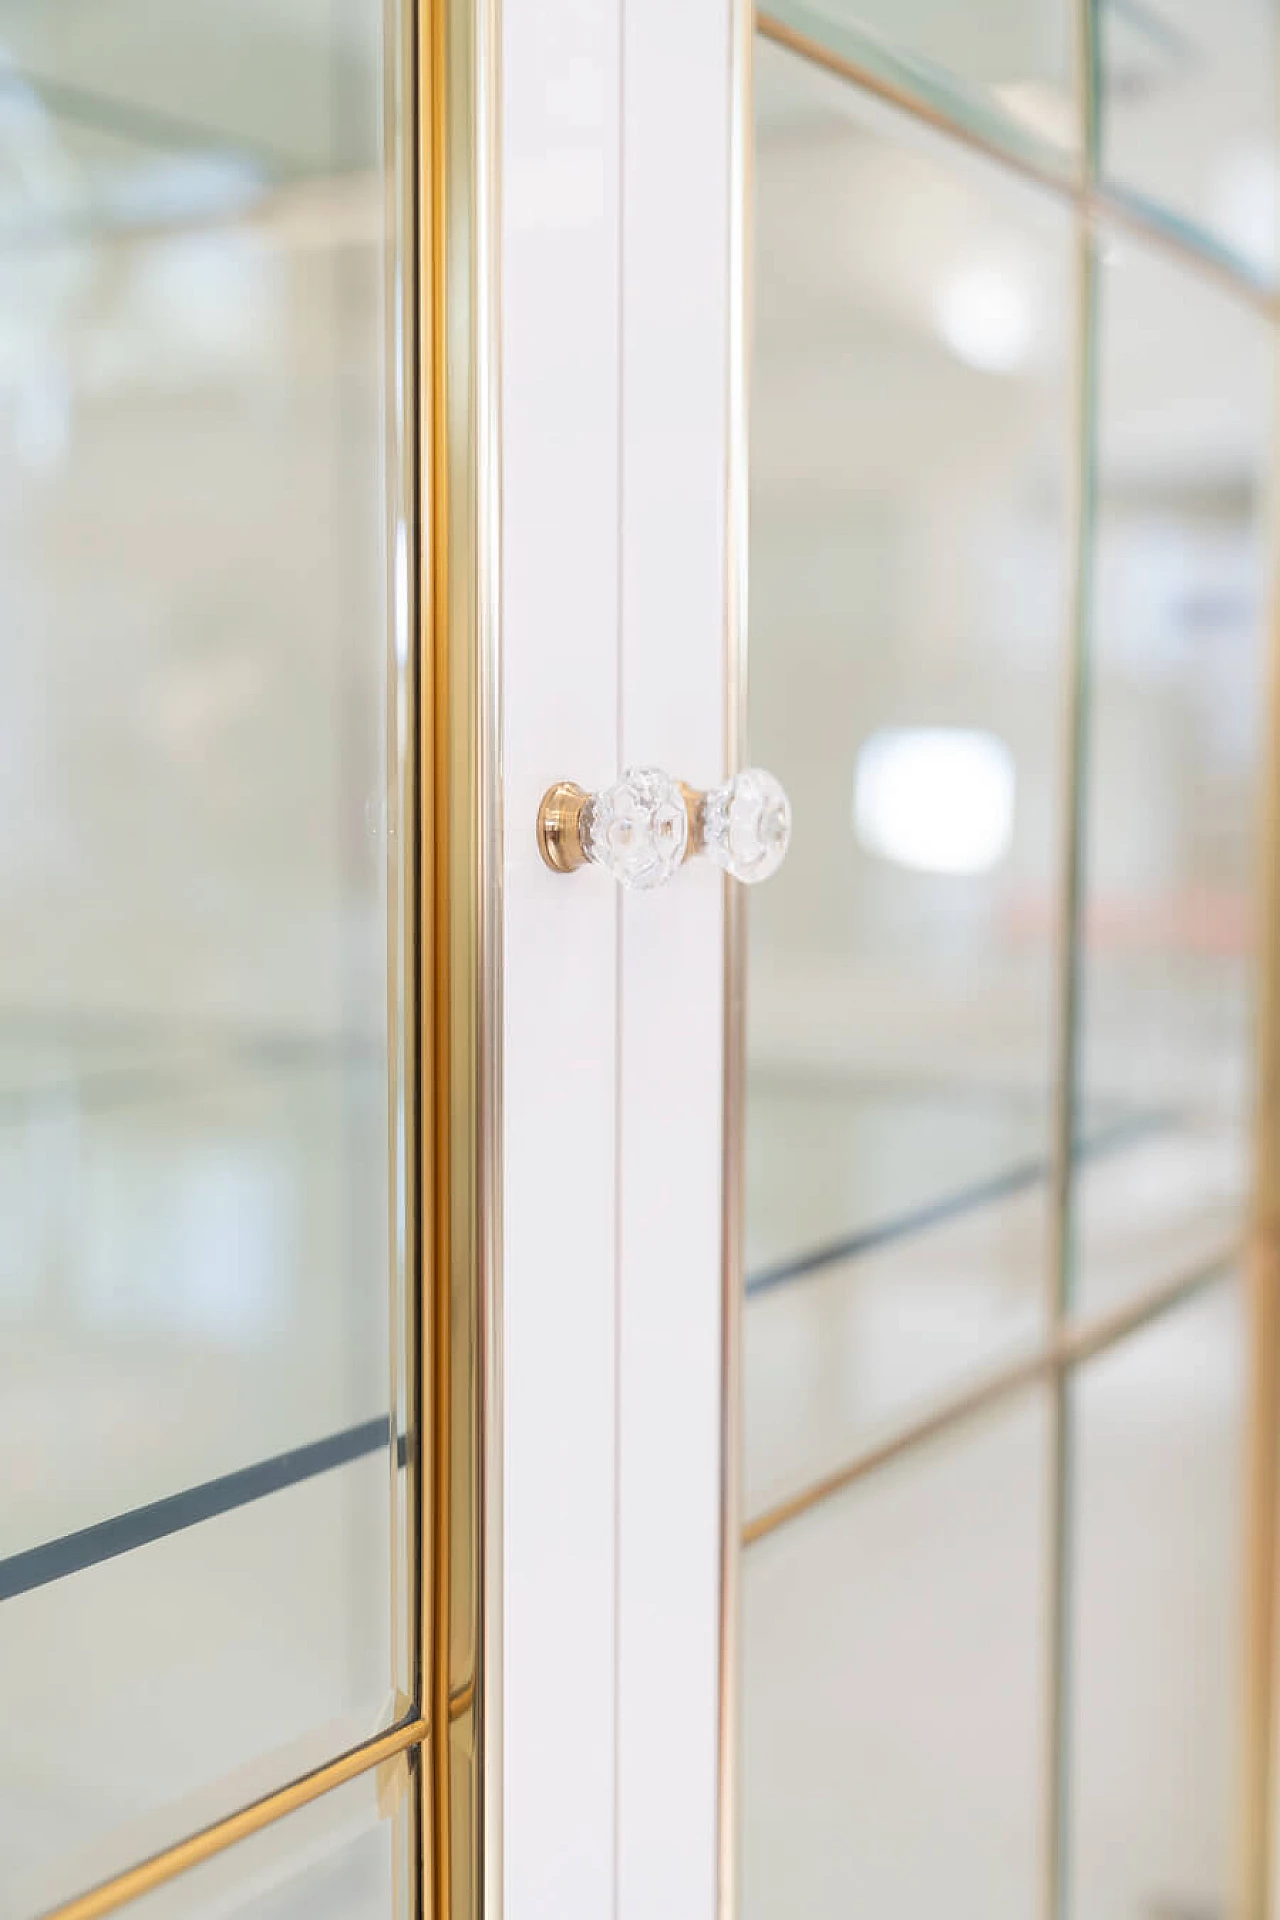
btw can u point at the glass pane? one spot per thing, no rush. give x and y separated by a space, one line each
194 1142
893 1688
1172 787
336 1859
1156 1608
156 1691
1002 68
1188 118
910 463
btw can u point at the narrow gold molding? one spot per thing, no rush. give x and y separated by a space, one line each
741 21
1071 1345
199 1847
1096 204
1069 960
1255 1867
459 976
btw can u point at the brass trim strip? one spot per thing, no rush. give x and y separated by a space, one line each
1073 794
199 1847
1096 204
734 1091
1067 1349
1255 1864
410 1374
459 978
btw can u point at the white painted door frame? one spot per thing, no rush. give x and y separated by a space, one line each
619 313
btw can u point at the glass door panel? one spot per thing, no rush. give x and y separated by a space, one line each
1156 1605
1172 787
1187 121
195 1296
1011 487
894 1642
911 454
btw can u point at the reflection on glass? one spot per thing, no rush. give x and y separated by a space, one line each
1187 118
194 1187
1172 780
1000 67
910 455
1156 1610
892 1688
337 1859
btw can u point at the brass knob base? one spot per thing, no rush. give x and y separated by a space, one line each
560 827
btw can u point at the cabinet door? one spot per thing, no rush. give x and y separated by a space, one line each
1009 650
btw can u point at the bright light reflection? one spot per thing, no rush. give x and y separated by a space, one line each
985 317
939 799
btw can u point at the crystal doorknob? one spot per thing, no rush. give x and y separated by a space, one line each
637 829
744 826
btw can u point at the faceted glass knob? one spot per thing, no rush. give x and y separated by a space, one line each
637 829
745 825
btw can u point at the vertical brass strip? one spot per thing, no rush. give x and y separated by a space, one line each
399 406
410 1375
1056 1812
741 30
460 985
1255 1868
416 315
1256 1839
1089 76
1055 1899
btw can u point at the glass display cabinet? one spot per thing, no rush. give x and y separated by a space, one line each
538 1375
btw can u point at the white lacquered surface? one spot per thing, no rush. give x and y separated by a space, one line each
675 290
560 456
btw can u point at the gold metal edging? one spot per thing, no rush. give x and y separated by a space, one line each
460 979
1073 801
741 20
488 1671
1096 205
404 875
214 1839
1072 1345
1255 1863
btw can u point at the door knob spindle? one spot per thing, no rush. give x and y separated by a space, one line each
743 826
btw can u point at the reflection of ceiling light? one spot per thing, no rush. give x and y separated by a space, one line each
984 316
940 799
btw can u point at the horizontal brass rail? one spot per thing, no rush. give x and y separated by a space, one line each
113 1894
1073 1344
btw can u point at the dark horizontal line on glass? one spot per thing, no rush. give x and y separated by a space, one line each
142 1526
1019 1178
107 1539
